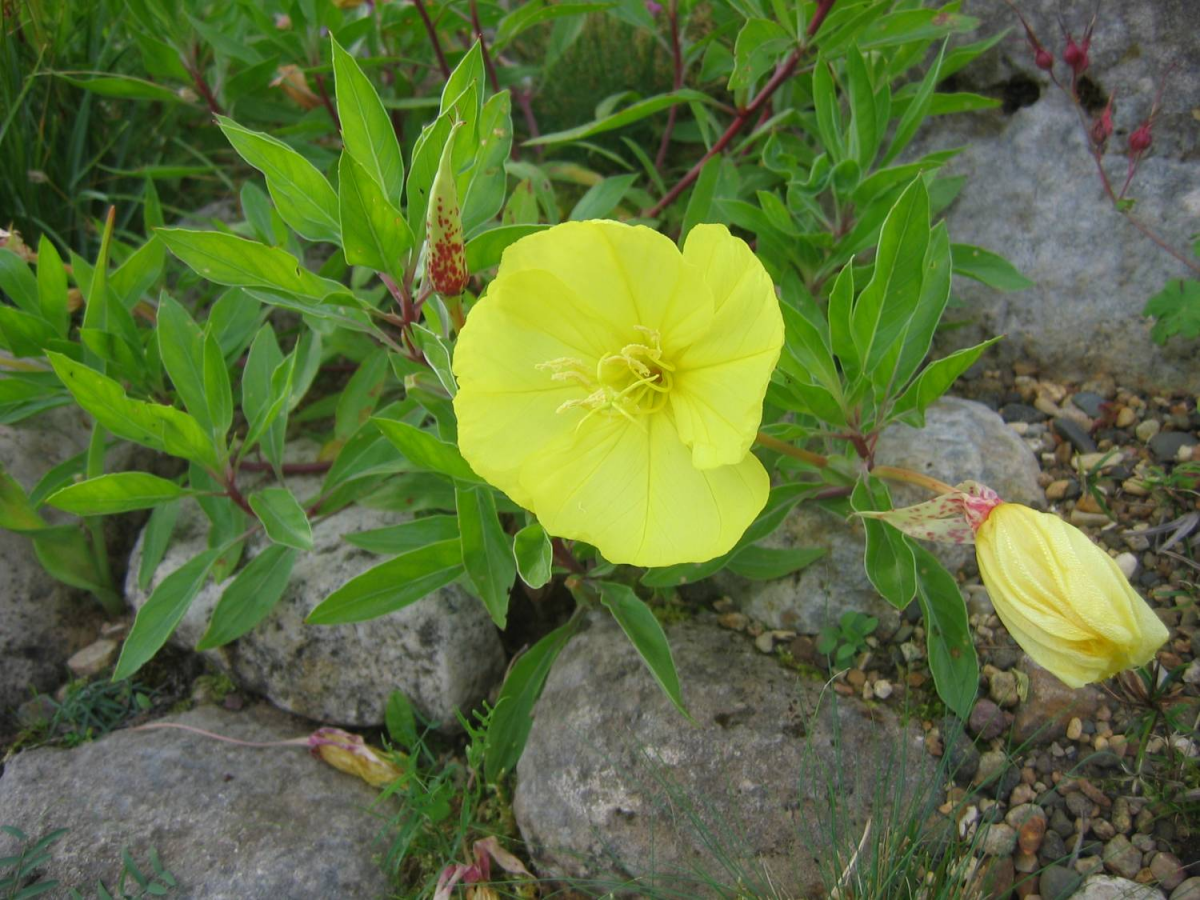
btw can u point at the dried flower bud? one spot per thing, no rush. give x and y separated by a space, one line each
447 263
351 754
295 85
1102 128
1141 139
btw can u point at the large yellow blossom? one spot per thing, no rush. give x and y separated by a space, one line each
613 385
1062 598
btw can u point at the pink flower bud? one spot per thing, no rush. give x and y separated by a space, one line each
1044 59
1141 139
1102 128
1075 56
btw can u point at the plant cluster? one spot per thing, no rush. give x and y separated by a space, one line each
369 247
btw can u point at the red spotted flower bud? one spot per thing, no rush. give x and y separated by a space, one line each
447 262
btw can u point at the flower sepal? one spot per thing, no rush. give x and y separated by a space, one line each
951 518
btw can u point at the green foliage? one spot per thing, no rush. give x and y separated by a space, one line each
22 882
846 640
1176 311
215 344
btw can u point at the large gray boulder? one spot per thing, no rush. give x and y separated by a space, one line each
773 776
443 651
227 821
42 621
1032 192
962 441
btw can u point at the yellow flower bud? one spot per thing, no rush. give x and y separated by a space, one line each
1062 598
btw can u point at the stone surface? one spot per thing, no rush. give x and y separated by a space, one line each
1032 194
1189 890
1050 705
962 441
613 778
443 652
1057 883
94 658
1108 887
227 821
42 622
1121 857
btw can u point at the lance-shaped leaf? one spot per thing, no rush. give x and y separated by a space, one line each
367 132
447 262
374 233
647 637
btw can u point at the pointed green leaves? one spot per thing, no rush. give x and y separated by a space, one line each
647 637
374 233
301 193
889 558
534 554
425 450
367 133
952 658
117 493
250 596
487 552
282 517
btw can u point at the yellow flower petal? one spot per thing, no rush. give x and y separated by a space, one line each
632 492
626 275
721 379
1062 598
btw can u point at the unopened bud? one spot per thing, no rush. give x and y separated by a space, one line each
447 262
1075 56
1102 128
1044 59
1141 139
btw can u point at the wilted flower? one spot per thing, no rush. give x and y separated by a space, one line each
613 386
351 754
295 85
1062 598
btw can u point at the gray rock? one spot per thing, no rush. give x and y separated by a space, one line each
1189 890
1165 445
227 821
443 652
1072 431
1050 705
1032 194
1106 887
987 720
42 622
1057 883
1091 403
962 441
1122 857
614 783
999 840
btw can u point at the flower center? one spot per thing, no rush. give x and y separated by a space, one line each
633 382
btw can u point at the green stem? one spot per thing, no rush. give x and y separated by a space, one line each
813 459
108 597
895 473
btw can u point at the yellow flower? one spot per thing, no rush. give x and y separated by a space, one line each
1062 598
613 386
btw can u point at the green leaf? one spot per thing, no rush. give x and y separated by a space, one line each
67 554
757 50
52 286
125 87
602 197
264 395
25 334
181 349
156 537
391 585
934 380
162 613
484 250
864 135
701 199
886 304
1177 309
534 555
250 597
238 262
118 493
630 114
769 563
424 450
426 154
484 195
18 282
217 389
16 512
647 637
526 15
487 552
301 193
21 399
406 536
367 133
889 558
512 716
829 116
914 115
400 720
152 425
987 267
374 233
360 396
282 517
137 275
437 354
952 658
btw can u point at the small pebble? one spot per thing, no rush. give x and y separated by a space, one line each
1147 429
883 689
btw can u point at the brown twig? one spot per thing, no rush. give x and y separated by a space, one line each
433 38
320 79
785 71
197 73
677 57
813 459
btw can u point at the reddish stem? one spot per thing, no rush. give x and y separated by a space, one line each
677 57
320 79
231 490
309 468
487 57
565 558
433 38
198 80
